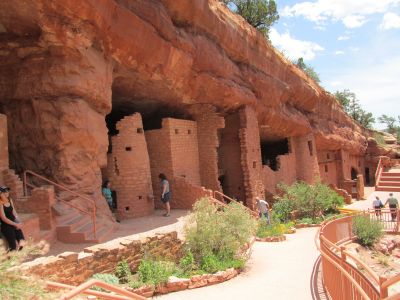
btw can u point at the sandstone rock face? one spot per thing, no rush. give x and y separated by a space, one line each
65 64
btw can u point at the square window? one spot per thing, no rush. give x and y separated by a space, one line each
189 131
128 148
140 197
176 131
139 130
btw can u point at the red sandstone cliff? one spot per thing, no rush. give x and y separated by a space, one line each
63 64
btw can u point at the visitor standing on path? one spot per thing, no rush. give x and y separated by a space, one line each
107 194
165 193
263 208
393 205
10 224
377 206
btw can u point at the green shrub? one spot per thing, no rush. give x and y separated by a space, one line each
155 272
367 231
187 262
123 271
107 278
308 200
218 233
274 229
212 264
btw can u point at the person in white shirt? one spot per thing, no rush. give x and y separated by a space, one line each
377 206
263 208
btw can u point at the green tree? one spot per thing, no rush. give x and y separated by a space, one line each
308 70
261 14
390 123
352 107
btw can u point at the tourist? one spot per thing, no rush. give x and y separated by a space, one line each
393 204
377 205
165 194
263 208
10 224
106 190
107 194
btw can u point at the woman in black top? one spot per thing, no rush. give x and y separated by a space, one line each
10 225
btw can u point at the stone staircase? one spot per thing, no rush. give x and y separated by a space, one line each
390 180
73 226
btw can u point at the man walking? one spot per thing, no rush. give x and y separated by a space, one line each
393 205
263 208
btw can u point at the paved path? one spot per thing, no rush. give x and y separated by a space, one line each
278 271
367 204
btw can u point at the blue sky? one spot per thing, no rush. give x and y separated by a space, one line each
351 44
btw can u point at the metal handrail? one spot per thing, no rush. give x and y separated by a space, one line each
215 193
92 214
325 245
84 288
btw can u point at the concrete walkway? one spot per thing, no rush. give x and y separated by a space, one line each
274 271
367 204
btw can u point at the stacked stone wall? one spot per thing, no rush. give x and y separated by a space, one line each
249 137
4 162
185 194
306 158
129 169
208 124
327 161
75 268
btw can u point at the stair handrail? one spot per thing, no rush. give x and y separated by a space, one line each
379 171
215 193
84 288
78 195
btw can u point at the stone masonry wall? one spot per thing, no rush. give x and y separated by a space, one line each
129 169
75 268
327 162
185 194
173 150
229 159
4 163
208 123
306 158
286 173
250 156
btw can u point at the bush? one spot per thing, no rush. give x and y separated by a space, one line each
155 272
367 231
308 200
379 138
123 271
218 233
107 278
212 264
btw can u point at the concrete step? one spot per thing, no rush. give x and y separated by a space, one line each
389 178
391 174
387 189
101 235
389 183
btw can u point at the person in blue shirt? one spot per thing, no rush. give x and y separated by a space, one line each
107 194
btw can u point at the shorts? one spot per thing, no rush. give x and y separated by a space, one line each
166 197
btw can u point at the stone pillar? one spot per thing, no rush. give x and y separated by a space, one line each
249 136
306 158
360 187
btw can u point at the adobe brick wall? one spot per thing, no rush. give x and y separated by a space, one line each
129 169
4 161
39 203
250 150
327 161
75 268
229 158
185 194
306 159
173 150
13 181
285 174
208 124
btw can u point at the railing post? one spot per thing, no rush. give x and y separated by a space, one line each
383 292
25 189
397 220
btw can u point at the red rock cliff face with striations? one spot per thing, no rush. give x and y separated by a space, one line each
65 64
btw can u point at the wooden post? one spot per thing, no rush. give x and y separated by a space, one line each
383 292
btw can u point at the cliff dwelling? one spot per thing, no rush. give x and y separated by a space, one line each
125 90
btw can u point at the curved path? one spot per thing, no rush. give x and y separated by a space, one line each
274 271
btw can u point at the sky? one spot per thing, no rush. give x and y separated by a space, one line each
351 44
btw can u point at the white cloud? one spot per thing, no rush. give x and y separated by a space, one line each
339 52
351 13
292 47
354 49
343 38
354 21
390 20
